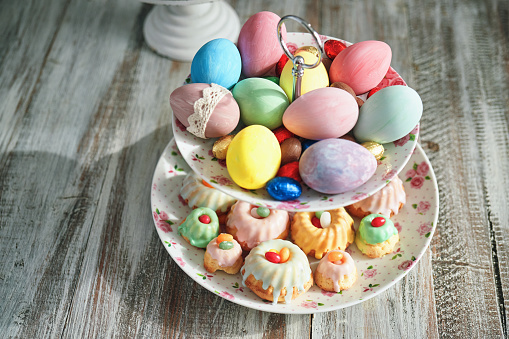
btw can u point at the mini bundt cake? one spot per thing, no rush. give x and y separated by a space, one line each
376 236
316 237
275 276
336 271
223 253
197 193
388 201
251 225
200 227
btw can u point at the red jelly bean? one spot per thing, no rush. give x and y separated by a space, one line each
333 47
316 222
290 170
282 134
281 64
373 91
204 219
273 257
378 221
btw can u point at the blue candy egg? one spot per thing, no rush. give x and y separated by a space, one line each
284 188
306 143
218 62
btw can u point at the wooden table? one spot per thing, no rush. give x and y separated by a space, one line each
85 115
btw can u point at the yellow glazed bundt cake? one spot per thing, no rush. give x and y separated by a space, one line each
318 235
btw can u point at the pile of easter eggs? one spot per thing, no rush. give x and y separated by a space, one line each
328 138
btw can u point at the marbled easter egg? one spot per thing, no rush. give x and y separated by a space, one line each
218 62
362 65
388 115
261 102
334 166
217 118
253 157
312 79
259 45
323 113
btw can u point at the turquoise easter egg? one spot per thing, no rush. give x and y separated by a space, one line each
218 62
388 115
261 102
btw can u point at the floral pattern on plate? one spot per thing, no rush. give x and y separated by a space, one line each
197 153
416 223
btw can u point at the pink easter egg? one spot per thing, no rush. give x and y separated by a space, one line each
219 119
259 45
334 166
362 65
322 113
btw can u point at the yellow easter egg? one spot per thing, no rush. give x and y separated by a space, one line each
253 157
313 78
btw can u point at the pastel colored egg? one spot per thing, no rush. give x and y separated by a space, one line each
253 157
222 117
334 166
284 188
323 113
388 115
313 78
362 65
218 62
259 45
261 102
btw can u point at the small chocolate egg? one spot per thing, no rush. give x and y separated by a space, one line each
284 188
313 78
261 102
253 157
362 65
208 111
218 62
259 45
334 166
323 113
220 147
374 148
388 115
290 150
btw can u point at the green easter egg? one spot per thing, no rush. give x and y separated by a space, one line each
261 102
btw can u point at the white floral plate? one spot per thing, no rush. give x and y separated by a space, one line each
416 223
198 154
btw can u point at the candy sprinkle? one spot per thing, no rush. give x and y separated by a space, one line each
273 257
263 212
335 256
226 245
224 237
316 222
378 222
325 219
284 254
204 219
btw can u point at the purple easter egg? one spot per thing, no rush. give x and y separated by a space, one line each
334 166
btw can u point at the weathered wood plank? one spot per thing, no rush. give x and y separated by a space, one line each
449 55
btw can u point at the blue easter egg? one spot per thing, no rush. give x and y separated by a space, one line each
306 143
284 188
218 62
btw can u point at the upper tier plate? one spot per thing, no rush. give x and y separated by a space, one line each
197 153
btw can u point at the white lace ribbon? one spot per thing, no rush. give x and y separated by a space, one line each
203 109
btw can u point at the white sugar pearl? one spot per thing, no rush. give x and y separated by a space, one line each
325 219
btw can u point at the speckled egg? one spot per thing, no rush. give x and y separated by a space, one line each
388 115
323 113
218 62
259 45
334 166
313 78
362 65
284 188
261 102
222 118
253 157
